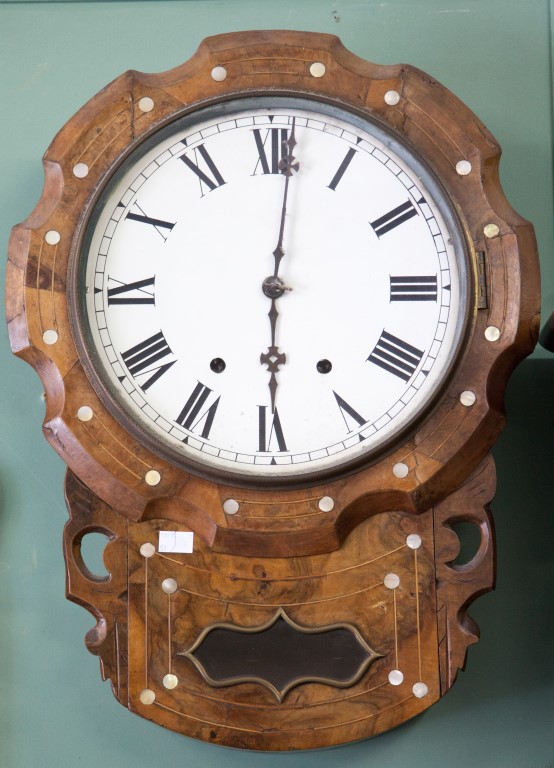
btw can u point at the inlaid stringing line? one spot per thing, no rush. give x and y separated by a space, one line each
438 125
447 419
100 134
37 276
310 499
287 578
315 513
395 630
290 501
39 292
52 292
281 605
204 721
282 708
110 454
122 445
106 146
146 622
417 613
282 730
365 717
451 430
446 639
505 262
117 663
169 634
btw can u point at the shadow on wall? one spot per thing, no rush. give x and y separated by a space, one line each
518 619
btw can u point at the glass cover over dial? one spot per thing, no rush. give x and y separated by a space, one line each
272 288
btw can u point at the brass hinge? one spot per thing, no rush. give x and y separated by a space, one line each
482 299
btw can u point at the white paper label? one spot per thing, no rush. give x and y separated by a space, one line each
176 541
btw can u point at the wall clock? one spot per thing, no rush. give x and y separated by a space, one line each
274 296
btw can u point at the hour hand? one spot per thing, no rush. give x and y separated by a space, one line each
289 163
273 358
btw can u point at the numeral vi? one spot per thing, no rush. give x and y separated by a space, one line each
266 432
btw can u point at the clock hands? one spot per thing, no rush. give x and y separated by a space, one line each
287 165
273 286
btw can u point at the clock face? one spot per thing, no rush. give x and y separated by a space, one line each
273 289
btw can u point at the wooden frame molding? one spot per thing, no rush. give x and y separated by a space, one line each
381 561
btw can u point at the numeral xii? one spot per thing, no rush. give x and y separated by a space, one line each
277 144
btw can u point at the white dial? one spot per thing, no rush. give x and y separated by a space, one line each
273 288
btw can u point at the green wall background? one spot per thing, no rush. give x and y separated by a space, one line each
54 709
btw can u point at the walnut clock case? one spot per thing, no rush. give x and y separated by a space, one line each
274 296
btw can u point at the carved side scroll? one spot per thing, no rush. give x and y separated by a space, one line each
460 585
104 597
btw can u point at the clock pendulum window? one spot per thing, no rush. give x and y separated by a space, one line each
274 296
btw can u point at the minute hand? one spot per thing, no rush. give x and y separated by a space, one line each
287 165
273 287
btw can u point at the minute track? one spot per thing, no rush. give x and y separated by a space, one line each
204 270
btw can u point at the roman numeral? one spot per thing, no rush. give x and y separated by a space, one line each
342 168
275 430
413 288
278 146
396 356
393 218
210 178
131 293
141 359
191 415
158 224
347 410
